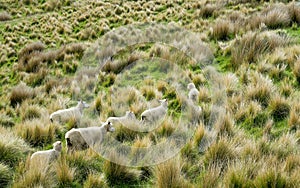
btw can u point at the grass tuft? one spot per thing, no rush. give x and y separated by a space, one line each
20 93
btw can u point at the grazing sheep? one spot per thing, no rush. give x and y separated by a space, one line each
157 113
47 156
193 92
66 114
82 138
129 116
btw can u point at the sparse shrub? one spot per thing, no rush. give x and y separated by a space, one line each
20 93
4 16
5 175
36 132
279 108
94 180
117 174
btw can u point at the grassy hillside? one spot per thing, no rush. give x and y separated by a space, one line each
254 46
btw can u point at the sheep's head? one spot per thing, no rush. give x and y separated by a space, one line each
130 115
57 146
164 102
109 127
83 104
191 86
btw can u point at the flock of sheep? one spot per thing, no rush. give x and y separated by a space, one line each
81 138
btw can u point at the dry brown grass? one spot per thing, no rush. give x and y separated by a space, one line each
222 30
253 45
20 93
4 16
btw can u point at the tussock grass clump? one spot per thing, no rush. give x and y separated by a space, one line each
20 93
276 16
271 178
294 11
117 174
37 132
292 163
168 174
28 112
253 45
219 154
84 162
294 117
6 121
5 175
240 175
4 16
36 176
52 5
260 89
211 177
221 30
225 125
12 148
64 173
199 134
208 10
296 70
29 51
279 108
284 146
95 180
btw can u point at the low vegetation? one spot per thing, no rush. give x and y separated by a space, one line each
248 133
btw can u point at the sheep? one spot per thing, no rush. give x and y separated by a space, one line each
66 114
157 113
47 156
193 92
82 138
129 116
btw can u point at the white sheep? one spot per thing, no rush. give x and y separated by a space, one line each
193 92
129 116
47 156
82 138
66 114
157 113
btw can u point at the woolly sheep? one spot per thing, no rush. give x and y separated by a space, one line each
157 113
129 116
193 92
47 156
81 138
66 114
